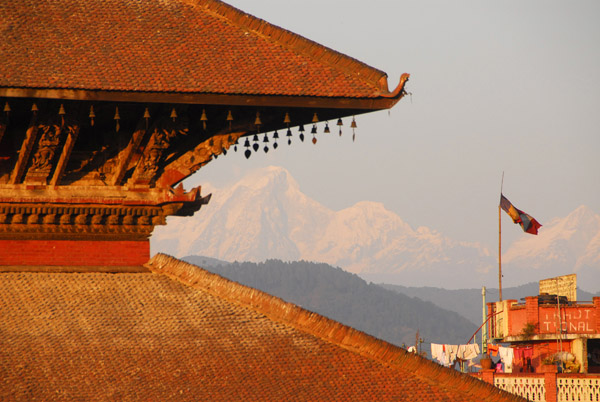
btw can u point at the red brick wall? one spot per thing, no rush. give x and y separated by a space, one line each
74 252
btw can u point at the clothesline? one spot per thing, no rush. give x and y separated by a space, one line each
447 355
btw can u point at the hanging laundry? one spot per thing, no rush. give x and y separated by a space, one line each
438 353
493 349
506 355
468 352
451 351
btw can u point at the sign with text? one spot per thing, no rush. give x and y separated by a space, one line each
574 320
561 285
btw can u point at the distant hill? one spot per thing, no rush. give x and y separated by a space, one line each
467 302
344 297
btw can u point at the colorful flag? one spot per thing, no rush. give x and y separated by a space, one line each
527 222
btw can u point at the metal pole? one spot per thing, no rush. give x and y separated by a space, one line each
484 329
500 251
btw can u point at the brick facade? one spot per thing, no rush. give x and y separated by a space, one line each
73 253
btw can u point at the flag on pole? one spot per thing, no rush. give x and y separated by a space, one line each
527 222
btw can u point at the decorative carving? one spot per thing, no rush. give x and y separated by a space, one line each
163 134
65 219
47 145
33 219
113 220
81 219
49 219
191 161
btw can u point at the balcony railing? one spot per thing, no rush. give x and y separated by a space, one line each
530 387
580 389
569 387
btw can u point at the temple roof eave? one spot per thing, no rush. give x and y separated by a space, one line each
380 100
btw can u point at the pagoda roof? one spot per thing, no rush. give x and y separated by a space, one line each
180 332
83 49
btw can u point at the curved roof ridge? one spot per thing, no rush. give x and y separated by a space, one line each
298 43
324 328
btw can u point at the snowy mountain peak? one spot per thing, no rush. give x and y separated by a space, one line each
265 215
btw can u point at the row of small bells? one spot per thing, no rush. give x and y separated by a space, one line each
287 121
204 119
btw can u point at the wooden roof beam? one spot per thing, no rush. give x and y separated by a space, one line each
26 147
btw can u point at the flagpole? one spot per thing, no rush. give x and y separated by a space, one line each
500 251
500 241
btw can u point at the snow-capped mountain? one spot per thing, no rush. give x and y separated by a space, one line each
265 216
565 245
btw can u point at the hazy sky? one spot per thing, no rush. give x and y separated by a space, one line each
507 86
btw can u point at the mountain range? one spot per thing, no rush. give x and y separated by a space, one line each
266 216
346 298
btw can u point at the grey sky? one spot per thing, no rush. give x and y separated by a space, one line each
507 86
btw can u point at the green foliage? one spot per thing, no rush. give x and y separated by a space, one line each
529 330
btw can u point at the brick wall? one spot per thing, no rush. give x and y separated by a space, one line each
73 253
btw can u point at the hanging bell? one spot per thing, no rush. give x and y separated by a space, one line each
229 118
203 119
275 135
173 114
117 118
286 119
34 108
61 112
301 129
266 139
92 115
247 143
255 138
257 121
146 117
314 140
326 130
353 125
315 118
314 129
339 123
7 108
289 135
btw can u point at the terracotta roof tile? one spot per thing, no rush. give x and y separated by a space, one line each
201 46
183 333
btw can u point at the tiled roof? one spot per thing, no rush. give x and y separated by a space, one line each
180 46
181 333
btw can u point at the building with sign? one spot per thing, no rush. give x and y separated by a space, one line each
548 346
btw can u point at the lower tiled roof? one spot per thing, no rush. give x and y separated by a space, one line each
181 333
